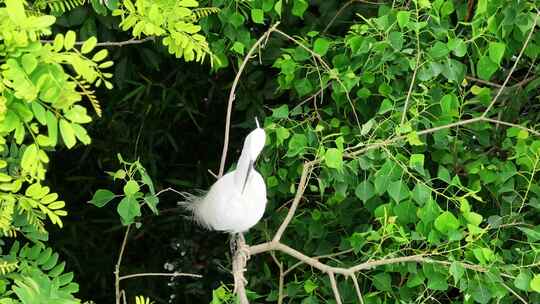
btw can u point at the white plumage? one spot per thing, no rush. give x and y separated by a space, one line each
237 200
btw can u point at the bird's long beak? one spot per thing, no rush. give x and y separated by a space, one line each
250 168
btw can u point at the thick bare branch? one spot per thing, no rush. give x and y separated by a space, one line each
334 287
298 196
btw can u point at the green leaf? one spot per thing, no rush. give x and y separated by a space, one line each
454 70
15 11
535 283
333 158
450 105
382 281
69 40
403 18
496 51
439 50
131 187
437 281
398 191
473 218
485 68
396 40
89 45
39 112
446 222
533 235
421 194
29 63
81 134
101 198
457 46
523 280
310 286
303 87
236 19
281 112
29 157
68 135
299 7
416 161
282 134
257 15
100 55
364 191
188 3
77 114
297 144
457 271
444 174
277 8
128 209
481 7
447 8
405 212
321 46
52 128
413 139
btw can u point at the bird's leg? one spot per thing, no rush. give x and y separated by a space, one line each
232 245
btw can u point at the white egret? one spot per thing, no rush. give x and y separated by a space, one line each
237 200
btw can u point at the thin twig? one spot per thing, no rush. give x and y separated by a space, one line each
502 122
411 86
513 67
488 83
150 274
514 293
112 43
232 96
343 8
326 67
117 267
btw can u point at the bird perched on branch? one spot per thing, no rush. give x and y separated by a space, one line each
237 200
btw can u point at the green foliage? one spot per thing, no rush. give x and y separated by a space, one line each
134 175
172 20
142 300
392 183
39 100
32 274
56 7
42 85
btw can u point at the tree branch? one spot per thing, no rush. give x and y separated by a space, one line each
112 43
334 287
298 196
152 274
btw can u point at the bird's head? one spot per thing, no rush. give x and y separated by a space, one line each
254 142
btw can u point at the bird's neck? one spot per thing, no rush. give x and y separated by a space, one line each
241 171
